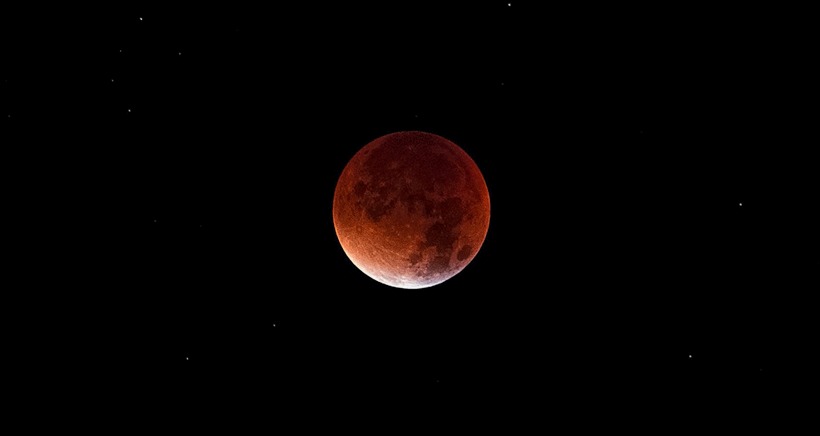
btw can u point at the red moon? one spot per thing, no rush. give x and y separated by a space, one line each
411 209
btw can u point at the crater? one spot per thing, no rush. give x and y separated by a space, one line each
440 236
359 188
451 210
414 258
377 207
439 264
464 252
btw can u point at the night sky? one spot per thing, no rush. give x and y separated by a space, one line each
652 244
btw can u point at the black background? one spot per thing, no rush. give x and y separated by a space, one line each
184 161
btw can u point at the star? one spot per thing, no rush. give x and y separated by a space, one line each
274 324
187 358
509 4
690 356
740 204
129 110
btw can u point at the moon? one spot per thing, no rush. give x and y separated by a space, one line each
411 209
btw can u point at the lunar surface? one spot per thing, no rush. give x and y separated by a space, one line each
411 209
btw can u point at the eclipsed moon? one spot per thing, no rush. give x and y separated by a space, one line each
411 209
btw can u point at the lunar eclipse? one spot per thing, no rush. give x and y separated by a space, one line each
411 209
